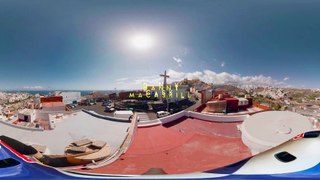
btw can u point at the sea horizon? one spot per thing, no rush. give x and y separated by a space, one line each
48 92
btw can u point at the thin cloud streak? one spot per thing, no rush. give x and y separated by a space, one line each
33 87
122 79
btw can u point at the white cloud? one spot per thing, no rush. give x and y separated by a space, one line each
207 76
139 82
222 64
178 60
33 87
286 78
150 80
122 79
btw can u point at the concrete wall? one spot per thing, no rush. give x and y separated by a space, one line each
55 108
92 113
52 124
43 114
173 117
31 117
122 114
207 117
22 127
201 116
206 95
154 122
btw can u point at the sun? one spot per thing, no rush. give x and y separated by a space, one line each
141 41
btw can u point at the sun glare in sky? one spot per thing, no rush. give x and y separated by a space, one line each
141 41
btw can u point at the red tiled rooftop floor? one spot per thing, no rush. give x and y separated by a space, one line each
156 139
205 127
188 145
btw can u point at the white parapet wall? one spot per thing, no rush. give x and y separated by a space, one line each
206 117
22 127
214 118
154 122
173 117
106 117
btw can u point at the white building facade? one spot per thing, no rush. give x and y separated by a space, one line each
28 115
69 97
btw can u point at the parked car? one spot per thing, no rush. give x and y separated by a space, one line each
109 109
161 114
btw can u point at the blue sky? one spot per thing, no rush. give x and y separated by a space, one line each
86 44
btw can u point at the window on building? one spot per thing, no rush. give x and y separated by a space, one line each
285 157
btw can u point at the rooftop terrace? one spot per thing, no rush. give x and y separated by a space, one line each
77 126
181 146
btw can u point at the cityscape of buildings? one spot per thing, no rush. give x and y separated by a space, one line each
36 110
96 130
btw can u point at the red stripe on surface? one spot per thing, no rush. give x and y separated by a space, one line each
16 152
